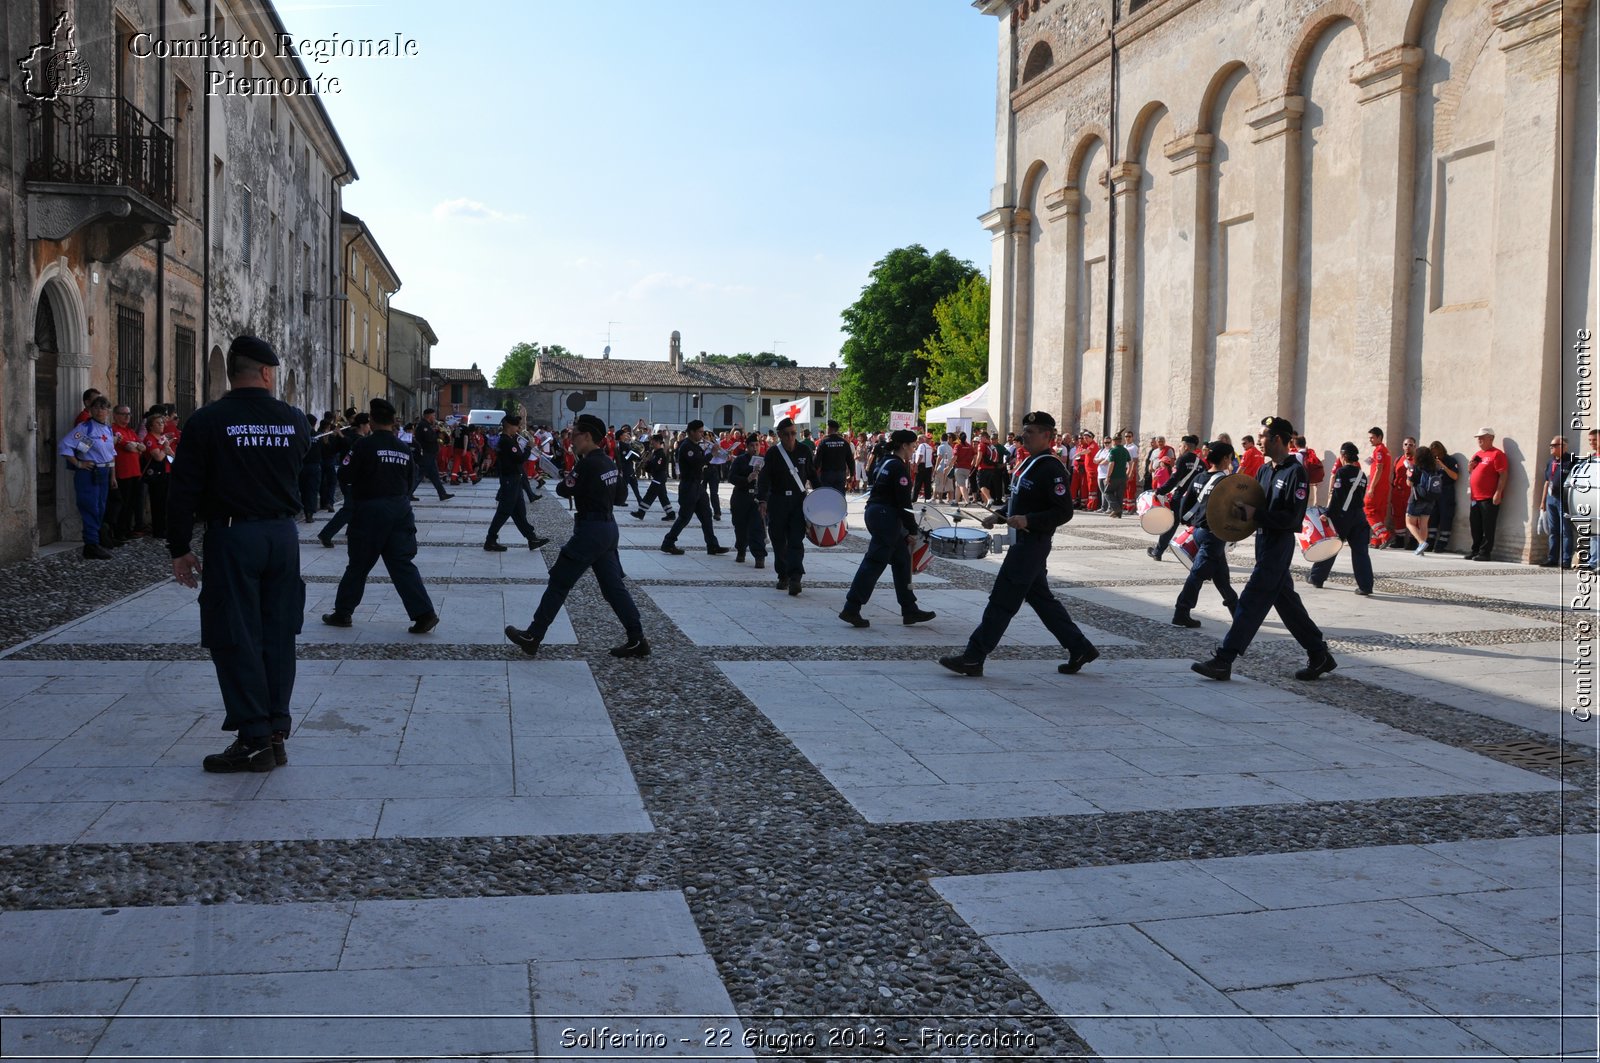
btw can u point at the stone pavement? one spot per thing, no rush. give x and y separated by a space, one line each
783 836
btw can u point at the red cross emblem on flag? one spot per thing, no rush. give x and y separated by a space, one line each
792 411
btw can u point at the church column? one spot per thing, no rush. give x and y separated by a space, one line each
1191 173
1061 210
1526 345
1276 268
1001 287
1387 85
1124 179
1022 352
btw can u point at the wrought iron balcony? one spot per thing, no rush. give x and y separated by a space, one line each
98 161
99 140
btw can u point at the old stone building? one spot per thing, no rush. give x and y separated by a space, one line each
369 283
144 221
411 344
1347 212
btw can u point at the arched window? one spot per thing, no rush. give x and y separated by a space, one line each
1040 59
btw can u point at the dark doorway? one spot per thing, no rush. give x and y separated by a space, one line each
729 412
44 417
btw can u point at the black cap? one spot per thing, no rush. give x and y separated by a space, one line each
1040 418
588 422
690 427
382 411
781 425
253 348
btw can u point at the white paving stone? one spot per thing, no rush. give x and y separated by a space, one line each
728 616
473 616
379 749
1364 952
908 741
438 563
485 976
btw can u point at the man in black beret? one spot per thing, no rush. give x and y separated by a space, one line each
592 486
237 473
1271 585
1040 502
693 500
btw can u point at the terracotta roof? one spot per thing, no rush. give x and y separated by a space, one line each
612 372
473 374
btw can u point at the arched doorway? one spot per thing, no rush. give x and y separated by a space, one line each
726 416
48 346
216 375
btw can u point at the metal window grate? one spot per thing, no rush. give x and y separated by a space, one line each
130 357
183 375
1530 754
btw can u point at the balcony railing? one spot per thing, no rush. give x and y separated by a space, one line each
99 141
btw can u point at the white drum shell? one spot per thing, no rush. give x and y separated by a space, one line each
959 544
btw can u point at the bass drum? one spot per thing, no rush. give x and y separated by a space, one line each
1583 496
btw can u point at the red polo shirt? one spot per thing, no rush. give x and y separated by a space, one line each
1488 466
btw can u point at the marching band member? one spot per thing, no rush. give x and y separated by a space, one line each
1271 586
1211 562
1040 502
1185 468
894 532
749 534
1347 511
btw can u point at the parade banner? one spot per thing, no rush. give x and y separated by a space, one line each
897 421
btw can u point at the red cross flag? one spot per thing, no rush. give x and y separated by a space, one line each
798 411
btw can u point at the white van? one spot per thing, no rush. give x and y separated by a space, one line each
657 429
485 418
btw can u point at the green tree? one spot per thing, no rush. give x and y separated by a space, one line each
762 359
957 354
517 369
887 327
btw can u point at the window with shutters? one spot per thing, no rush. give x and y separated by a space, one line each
130 358
183 371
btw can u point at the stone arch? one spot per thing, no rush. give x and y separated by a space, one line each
55 292
1139 129
1088 275
58 284
1317 25
1040 294
1160 265
216 374
1329 207
1090 138
1222 82
1031 180
1040 60
1230 209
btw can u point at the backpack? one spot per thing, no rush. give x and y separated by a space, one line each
1314 469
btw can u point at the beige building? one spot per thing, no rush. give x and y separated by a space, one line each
369 283
1346 212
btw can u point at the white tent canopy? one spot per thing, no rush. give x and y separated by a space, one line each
973 406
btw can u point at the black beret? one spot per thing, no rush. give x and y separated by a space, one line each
1040 418
690 427
901 436
253 348
588 422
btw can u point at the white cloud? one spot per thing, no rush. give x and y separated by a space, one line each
470 210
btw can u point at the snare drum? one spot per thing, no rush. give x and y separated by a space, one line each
826 513
1318 540
1184 546
959 544
1155 516
922 556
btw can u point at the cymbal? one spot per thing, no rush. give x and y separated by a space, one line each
1219 506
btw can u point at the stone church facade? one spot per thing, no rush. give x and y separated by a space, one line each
1346 212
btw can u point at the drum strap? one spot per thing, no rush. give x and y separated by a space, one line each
1350 495
1199 506
1017 479
784 454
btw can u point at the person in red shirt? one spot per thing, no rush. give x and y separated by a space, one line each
1379 472
966 455
1486 483
1400 492
83 414
1087 478
1252 459
160 443
122 509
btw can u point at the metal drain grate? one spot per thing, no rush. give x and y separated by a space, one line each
1530 754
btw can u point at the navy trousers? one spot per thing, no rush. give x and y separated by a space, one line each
786 524
1210 563
657 491
692 504
748 531
835 480
511 505
593 545
91 486
887 549
713 489
428 465
383 528
1357 536
1021 579
1271 586
252 603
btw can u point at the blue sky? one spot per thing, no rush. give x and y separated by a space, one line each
730 170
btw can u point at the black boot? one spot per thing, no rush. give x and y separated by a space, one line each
1217 668
851 615
1181 618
